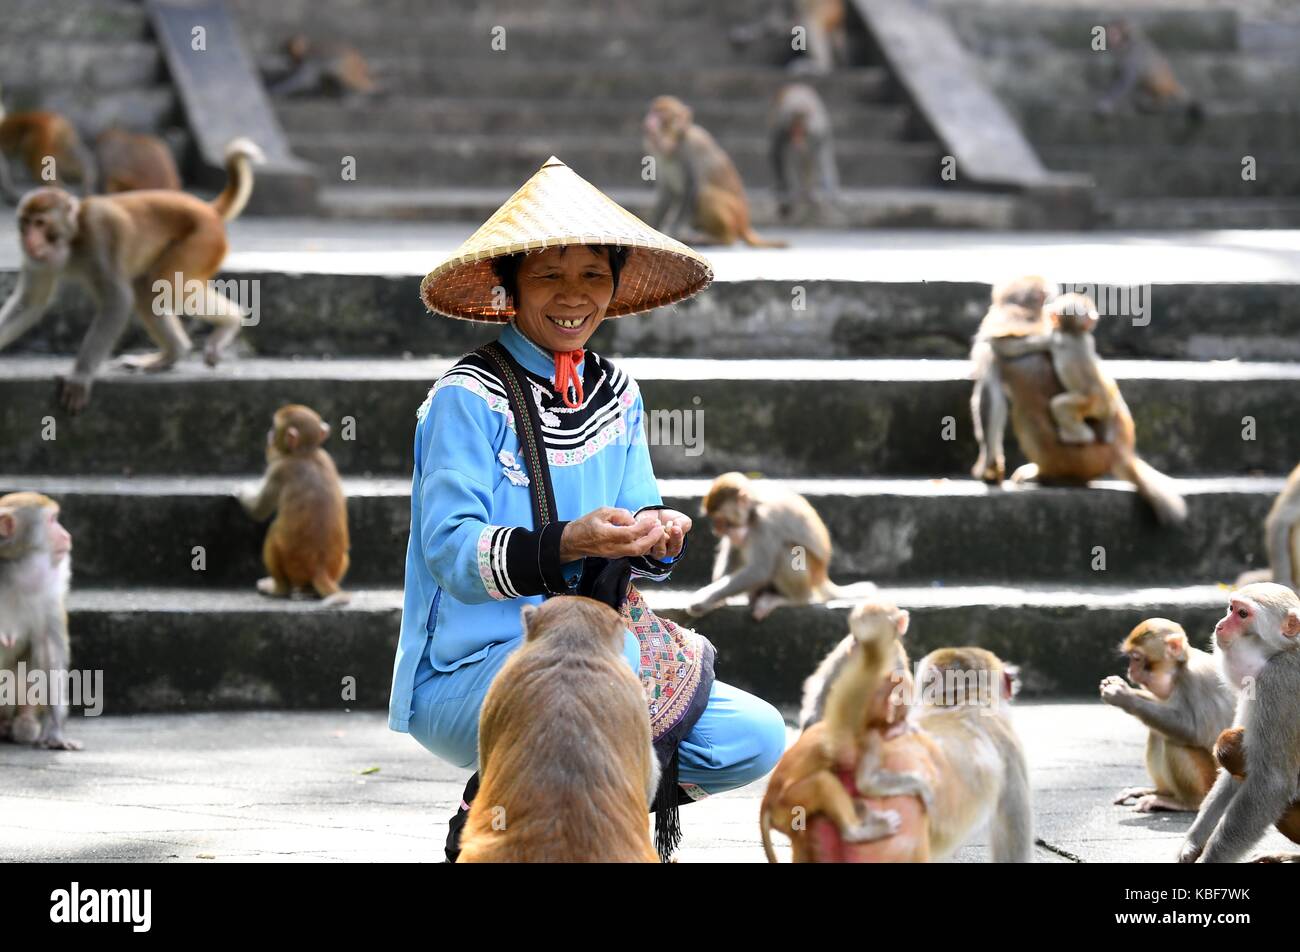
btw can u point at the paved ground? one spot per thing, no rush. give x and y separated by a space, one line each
335 247
324 786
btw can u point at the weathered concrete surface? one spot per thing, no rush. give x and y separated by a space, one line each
206 648
896 531
382 315
779 417
337 786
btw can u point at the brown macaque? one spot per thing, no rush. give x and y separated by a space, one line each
49 148
1257 644
324 68
1180 697
565 755
1143 75
838 757
772 545
1230 752
134 162
802 149
1282 538
151 252
307 545
696 183
824 41
1006 370
35 571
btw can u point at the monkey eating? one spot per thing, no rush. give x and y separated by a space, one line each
35 571
696 182
1006 369
801 142
1181 699
567 764
1256 647
307 544
772 545
134 162
855 711
126 248
50 149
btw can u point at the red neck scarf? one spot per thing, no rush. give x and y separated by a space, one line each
566 375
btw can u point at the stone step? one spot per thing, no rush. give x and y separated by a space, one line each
1000 28
106 20
1167 171
306 314
1207 213
188 650
856 208
86 63
92 109
615 118
605 161
1263 127
783 418
888 531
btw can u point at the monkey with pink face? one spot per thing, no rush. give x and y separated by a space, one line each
1257 644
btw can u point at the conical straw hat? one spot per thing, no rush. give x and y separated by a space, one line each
559 207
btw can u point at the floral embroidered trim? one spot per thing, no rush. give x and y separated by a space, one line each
492 542
693 790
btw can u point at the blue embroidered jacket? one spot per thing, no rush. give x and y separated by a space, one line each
473 558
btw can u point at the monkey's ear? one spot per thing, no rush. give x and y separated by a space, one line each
1291 624
901 621
7 523
1010 681
527 614
324 431
1176 645
291 437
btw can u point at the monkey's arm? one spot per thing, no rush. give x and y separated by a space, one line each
26 305
1165 717
114 296
261 504
759 567
1212 809
1132 67
1009 348
50 654
722 561
473 558
7 188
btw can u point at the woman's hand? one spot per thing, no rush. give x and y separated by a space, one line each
676 525
611 533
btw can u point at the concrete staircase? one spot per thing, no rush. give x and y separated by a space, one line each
95 61
1153 170
462 125
146 478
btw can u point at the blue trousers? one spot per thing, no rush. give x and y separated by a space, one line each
738 739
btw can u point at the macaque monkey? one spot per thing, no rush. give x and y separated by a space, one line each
307 544
38 138
1008 370
1282 537
1181 699
133 162
822 25
855 701
567 764
771 545
801 147
696 183
1230 752
1256 645
323 67
120 247
1143 76
35 570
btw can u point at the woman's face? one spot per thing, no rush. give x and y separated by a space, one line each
563 295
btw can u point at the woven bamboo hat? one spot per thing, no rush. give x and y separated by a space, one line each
559 207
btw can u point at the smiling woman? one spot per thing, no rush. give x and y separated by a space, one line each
533 479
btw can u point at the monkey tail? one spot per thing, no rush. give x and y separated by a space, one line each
755 240
1153 486
829 590
240 155
765 828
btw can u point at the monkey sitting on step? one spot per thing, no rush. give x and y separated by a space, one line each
49 148
307 544
567 764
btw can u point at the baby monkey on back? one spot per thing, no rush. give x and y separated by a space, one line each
307 544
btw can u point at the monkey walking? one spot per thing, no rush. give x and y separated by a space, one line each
772 545
1180 697
802 146
35 571
120 246
37 138
307 544
855 711
568 770
1281 538
696 183
1257 645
